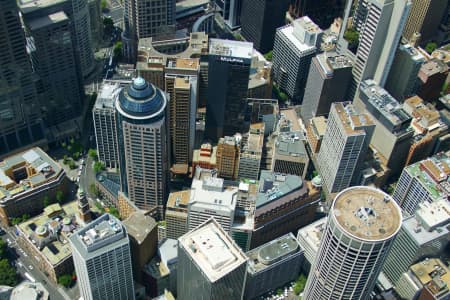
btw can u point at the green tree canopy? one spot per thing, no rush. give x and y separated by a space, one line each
269 55
65 280
299 284
3 248
352 37
59 196
99 166
8 275
430 47
93 154
118 49
113 211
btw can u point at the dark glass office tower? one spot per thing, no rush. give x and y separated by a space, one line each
322 12
20 118
52 50
260 19
229 69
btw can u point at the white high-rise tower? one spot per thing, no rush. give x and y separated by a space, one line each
361 227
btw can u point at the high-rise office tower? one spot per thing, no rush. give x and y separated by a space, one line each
102 259
230 11
360 230
228 76
424 235
250 157
143 19
392 134
432 76
424 181
328 80
52 49
402 81
322 12
227 157
210 198
105 124
143 144
344 146
20 115
177 214
260 19
293 49
210 264
425 18
181 84
78 13
380 24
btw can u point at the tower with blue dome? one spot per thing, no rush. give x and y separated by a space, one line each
142 135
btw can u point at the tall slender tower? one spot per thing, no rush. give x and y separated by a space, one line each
228 75
143 144
360 230
380 24
20 117
344 146
102 259
53 45
146 18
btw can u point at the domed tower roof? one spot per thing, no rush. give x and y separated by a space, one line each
141 101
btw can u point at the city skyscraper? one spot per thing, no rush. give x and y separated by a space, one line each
20 116
181 84
210 198
294 47
344 146
102 259
143 19
228 76
78 13
52 51
425 18
361 227
230 11
143 144
424 235
322 12
380 24
328 81
260 19
105 124
227 157
423 181
402 81
210 264
392 135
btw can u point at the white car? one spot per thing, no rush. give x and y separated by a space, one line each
19 264
31 267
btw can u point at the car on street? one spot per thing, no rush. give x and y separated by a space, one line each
31 267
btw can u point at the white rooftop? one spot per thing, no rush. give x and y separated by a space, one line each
108 93
231 48
434 214
212 250
210 191
288 31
